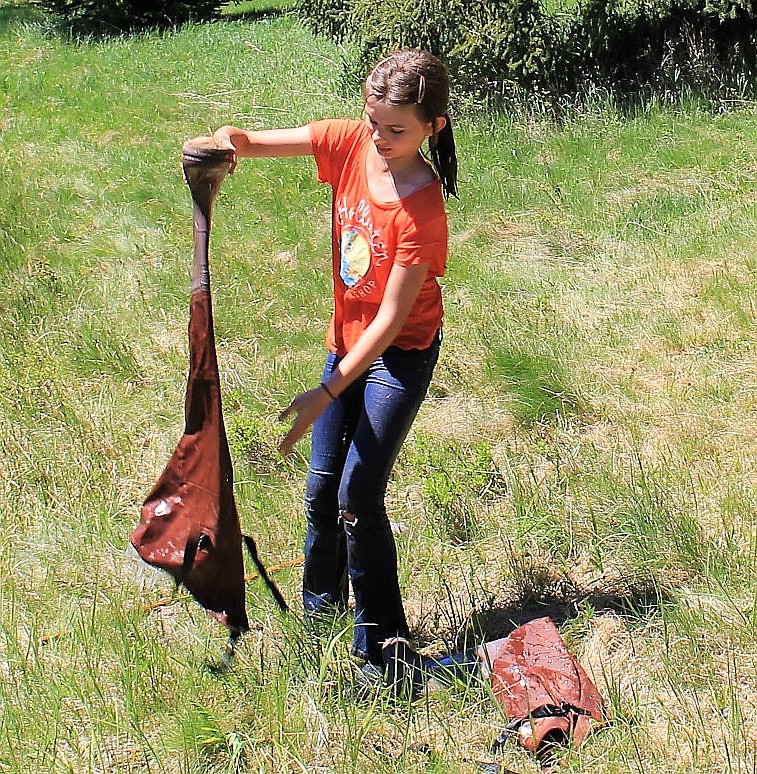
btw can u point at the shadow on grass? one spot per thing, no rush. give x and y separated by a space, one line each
542 593
10 15
28 13
256 14
562 601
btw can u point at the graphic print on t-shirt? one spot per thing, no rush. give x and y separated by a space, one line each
355 254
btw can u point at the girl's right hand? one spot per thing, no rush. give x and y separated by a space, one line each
306 408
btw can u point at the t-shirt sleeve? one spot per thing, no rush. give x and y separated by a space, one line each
332 141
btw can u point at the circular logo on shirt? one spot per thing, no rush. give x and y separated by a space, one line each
355 252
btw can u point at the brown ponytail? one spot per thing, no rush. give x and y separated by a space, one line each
444 157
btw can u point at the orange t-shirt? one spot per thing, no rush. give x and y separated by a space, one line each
368 237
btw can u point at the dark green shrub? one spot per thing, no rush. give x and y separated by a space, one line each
612 44
665 47
491 46
82 17
516 51
325 17
434 25
516 48
375 27
722 9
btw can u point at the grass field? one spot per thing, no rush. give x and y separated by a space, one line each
588 449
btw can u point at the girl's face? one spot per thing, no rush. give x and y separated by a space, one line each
397 130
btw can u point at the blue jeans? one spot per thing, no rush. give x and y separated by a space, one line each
354 444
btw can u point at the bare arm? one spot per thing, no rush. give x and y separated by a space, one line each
266 143
402 289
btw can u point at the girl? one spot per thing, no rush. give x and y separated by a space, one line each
389 246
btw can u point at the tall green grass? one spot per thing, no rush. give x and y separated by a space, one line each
587 450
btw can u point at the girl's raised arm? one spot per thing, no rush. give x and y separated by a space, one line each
265 143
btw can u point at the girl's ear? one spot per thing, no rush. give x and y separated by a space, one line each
436 126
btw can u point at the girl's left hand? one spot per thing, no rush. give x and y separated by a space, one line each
307 406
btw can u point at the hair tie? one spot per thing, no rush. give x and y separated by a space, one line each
421 90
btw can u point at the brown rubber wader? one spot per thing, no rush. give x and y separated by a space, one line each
190 525
546 694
